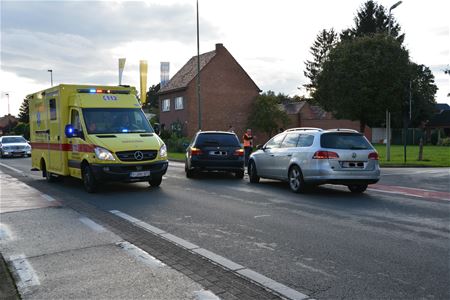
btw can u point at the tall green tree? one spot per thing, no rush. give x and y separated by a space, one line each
325 41
362 78
423 90
24 111
371 19
266 114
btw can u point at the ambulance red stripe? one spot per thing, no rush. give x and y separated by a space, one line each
63 147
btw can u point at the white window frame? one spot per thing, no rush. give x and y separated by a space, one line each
166 105
179 103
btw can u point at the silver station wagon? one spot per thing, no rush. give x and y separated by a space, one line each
312 156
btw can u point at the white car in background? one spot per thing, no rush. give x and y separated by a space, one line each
14 145
312 156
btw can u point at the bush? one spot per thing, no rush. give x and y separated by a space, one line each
175 143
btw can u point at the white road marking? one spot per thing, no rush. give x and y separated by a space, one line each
261 216
205 295
25 272
5 233
12 168
313 269
48 197
250 274
141 255
91 224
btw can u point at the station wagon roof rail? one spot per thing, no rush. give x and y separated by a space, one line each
344 129
304 129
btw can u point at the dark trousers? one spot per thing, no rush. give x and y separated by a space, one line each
247 152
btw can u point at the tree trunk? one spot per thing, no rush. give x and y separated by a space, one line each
362 126
420 149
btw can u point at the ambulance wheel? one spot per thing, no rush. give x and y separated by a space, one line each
155 181
49 177
89 182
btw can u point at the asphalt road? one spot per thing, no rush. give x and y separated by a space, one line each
327 243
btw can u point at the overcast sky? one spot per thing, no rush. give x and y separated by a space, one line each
81 41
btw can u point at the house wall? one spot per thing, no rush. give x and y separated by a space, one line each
227 93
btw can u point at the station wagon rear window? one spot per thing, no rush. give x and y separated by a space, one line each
344 140
217 139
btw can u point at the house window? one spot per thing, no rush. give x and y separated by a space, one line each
166 105
178 103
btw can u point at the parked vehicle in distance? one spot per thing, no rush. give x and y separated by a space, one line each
215 151
14 145
312 156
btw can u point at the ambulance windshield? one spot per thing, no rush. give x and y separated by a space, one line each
116 120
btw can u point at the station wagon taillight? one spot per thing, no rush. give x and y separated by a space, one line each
325 155
373 155
196 151
239 152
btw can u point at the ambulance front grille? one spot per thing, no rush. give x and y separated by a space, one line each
135 155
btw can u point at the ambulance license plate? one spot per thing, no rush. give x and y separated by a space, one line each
140 174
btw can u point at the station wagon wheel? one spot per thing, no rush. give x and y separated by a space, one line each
252 172
296 182
89 182
357 188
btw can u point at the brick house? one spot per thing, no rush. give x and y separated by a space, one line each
303 114
227 93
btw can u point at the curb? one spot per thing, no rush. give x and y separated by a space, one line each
8 289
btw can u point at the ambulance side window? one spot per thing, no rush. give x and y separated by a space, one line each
75 120
52 105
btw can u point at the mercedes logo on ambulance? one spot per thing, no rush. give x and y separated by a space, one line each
138 155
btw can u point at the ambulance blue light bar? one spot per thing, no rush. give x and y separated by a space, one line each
100 91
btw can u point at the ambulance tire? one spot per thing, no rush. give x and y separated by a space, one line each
89 182
49 177
155 181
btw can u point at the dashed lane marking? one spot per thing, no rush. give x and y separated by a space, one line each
279 288
91 224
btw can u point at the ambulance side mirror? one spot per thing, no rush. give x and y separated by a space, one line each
70 131
157 128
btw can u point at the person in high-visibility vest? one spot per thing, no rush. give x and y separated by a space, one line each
248 144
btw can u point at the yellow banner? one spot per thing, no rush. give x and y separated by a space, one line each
143 78
121 67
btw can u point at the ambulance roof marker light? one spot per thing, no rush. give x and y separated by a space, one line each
92 90
99 91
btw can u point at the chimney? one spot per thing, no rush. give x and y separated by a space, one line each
219 47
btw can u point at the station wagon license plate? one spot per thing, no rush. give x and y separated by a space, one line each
352 164
140 174
219 153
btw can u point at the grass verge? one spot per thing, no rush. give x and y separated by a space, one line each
433 156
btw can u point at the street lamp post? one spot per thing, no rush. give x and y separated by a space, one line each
388 114
7 95
199 103
51 77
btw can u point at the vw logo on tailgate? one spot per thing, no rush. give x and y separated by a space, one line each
138 155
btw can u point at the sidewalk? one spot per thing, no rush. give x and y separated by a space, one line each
54 252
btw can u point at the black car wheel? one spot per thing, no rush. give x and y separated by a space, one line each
155 181
296 182
357 188
89 181
252 172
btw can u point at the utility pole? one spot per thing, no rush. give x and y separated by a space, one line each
388 114
199 103
51 77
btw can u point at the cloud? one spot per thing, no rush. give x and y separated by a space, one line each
77 39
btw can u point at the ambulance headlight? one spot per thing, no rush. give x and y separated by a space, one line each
163 151
103 154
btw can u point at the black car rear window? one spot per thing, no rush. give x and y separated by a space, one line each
217 139
344 140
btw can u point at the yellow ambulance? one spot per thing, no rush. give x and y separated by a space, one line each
95 133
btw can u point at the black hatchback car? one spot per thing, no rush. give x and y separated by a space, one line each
215 151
